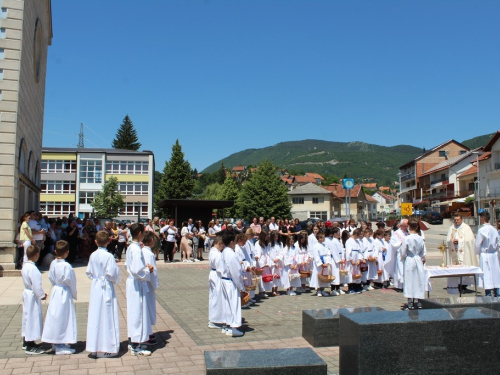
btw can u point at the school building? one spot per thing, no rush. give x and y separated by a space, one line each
70 178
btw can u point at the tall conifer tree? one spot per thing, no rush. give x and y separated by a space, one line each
264 194
126 136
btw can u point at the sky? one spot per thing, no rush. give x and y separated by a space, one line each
222 76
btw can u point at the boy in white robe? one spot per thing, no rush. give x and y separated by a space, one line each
369 252
250 250
138 318
103 326
215 306
486 246
33 294
337 255
354 256
60 320
413 254
231 286
291 269
263 261
150 258
245 261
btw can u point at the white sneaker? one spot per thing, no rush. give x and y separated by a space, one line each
325 294
196 260
63 350
334 293
140 352
370 287
224 329
366 288
184 260
288 293
319 294
233 332
106 355
292 293
341 292
213 325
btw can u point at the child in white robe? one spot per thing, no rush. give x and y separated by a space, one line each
380 249
103 325
60 320
355 257
215 307
413 256
250 250
486 246
369 253
138 318
229 268
275 254
263 261
150 258
321 262
243 257
337 255
33 294
291 268
304 259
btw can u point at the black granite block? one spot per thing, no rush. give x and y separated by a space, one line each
321 327
265 362
440 341
460 302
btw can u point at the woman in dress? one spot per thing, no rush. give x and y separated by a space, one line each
283 232
195 232
169 232
186 241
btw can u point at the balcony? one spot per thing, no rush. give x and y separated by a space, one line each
406 189
492 167
408 176
489 193
465 193
442 181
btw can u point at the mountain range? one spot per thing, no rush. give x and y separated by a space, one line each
362 161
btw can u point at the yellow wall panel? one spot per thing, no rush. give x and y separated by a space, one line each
57 198
129 177
58 156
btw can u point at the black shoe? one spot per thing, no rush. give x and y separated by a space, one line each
33 350
419 305
150 342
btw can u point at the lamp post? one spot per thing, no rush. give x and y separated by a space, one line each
138 204
476 185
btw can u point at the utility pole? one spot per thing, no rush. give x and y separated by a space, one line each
80 137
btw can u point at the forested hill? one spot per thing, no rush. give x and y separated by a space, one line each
358 160
355 159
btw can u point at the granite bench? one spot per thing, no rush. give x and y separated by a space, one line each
296 361
321 327
459 302
439 341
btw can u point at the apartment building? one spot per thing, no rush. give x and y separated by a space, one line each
312 201
410 189
489 176
70 178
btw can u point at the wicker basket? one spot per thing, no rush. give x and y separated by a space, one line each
245 298
253 284
259 271
343 272
305 273
326 278
267 278
356 276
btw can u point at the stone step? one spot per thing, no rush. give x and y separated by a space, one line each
10 273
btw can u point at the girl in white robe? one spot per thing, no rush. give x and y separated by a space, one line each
369 251
150 258
321 261
275 252
291 268
244 259
345 278
60 321
103 325
354 256
263 261
380 250
337 254
413 254
250 250
33 294
304 255
138 318
215 308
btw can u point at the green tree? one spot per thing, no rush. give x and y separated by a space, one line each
177 181
221 174
330 179
212 192
264 194
108 202
230 192
126 136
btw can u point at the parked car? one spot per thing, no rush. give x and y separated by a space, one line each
433 217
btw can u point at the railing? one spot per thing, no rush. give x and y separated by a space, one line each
408 176
489 193
412 187
492 167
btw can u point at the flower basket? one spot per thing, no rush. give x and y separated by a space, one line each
259 271
324 276
294 276
250 282
356 273
343 271
304 271
245 298
267 278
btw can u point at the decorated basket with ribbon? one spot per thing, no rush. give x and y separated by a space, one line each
245 298
304 270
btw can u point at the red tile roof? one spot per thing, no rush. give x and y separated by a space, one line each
383 188
388 197
369 198
239 168
315 175
339 192
471 171
286 180
370 185
484 156
304 179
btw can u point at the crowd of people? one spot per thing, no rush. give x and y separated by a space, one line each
103 330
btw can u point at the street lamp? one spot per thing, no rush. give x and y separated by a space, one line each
476 186
138 204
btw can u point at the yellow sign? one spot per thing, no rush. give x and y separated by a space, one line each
406 209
